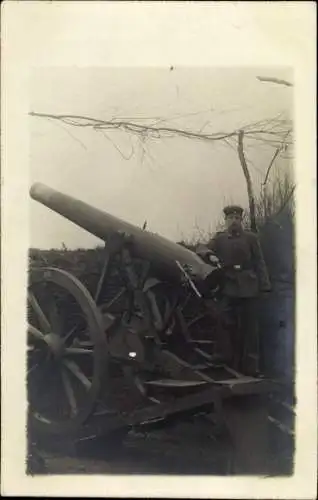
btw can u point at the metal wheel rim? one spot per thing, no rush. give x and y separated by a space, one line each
99 356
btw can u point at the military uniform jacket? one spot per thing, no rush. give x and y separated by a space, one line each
244 266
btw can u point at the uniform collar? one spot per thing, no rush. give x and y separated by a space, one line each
235 234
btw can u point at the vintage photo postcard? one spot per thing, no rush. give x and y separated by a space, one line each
158 250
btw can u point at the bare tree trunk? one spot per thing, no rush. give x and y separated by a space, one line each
251 199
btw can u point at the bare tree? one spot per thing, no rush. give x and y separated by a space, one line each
275 132
250 193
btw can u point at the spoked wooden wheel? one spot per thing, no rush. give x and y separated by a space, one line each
67 351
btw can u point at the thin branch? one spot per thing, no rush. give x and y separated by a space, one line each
271 142
270 166
181 116
116 147
276 120
274 80
71 135
148 130
286 201
278 150
204 126
130 126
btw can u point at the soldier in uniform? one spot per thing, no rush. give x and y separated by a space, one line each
245 278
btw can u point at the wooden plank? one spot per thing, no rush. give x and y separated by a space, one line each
175 383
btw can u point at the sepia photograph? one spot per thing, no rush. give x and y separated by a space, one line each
158 332
161 271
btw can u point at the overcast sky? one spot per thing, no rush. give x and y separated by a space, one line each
176 184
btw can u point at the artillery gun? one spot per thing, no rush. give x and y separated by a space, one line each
154 324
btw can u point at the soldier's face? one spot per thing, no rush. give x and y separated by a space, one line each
233 221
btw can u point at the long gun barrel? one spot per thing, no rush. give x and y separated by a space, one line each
162 253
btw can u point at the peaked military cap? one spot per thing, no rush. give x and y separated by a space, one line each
233 209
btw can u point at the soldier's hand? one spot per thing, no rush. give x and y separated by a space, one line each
189 270
213 259
124 235
117 240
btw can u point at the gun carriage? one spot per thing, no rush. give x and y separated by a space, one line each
154 323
